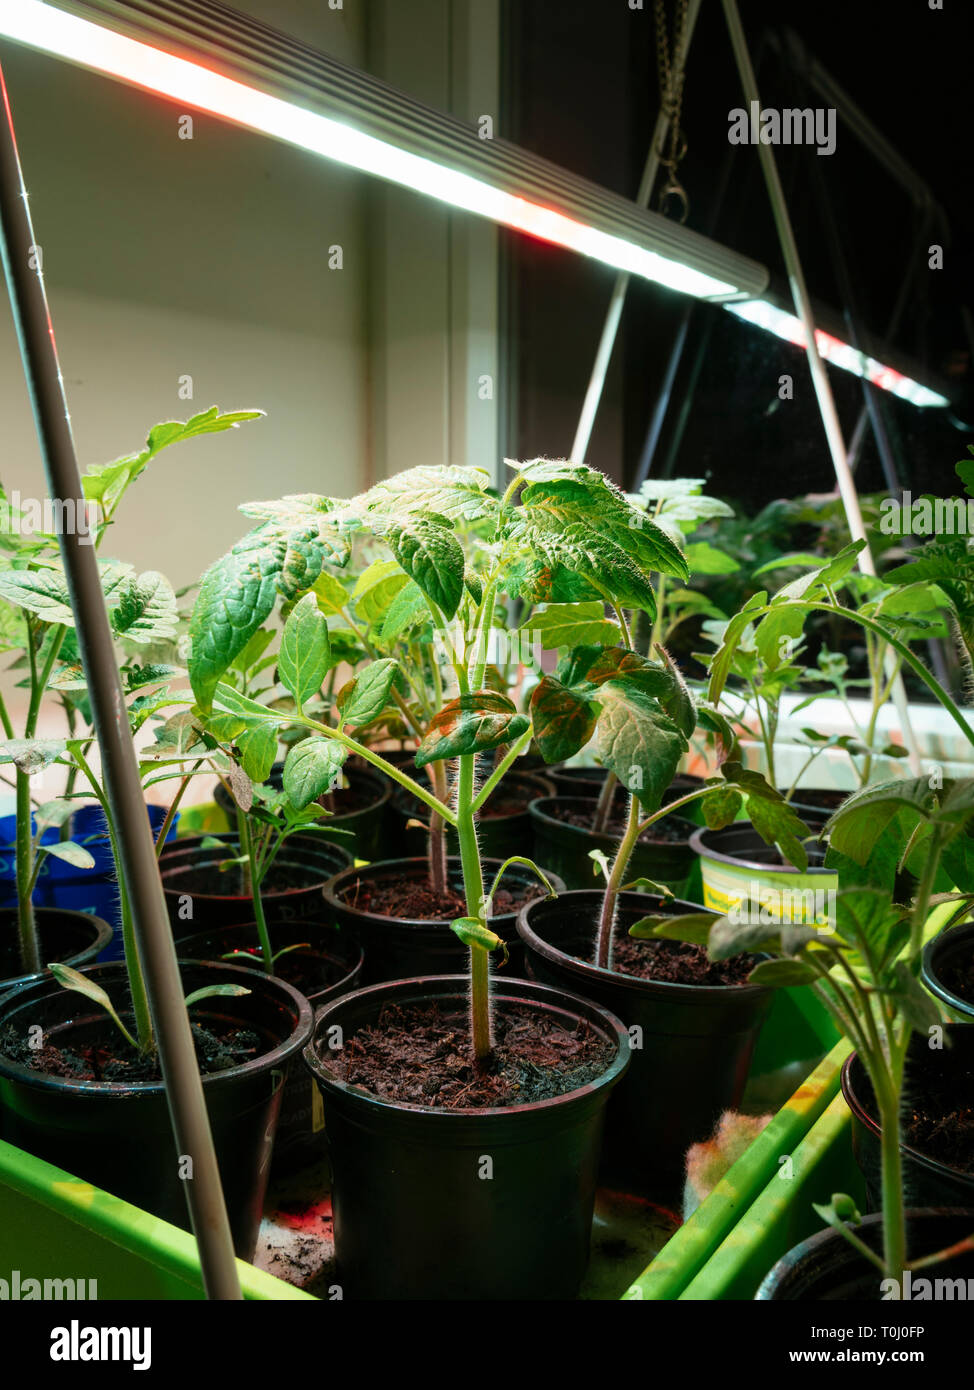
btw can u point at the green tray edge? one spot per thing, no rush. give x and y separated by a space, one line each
56 1225
690 1248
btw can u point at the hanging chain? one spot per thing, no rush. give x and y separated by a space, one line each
671 98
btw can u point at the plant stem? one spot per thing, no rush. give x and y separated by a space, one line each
133 965
30 951
174 807
607 915
436 844
605 803
473 887
514 752
891 1160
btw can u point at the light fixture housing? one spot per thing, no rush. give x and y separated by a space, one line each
269 82
216 59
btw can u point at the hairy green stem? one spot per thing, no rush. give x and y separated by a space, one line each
607 914
473 887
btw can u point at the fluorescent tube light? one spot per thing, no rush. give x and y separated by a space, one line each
79 40
787 326
373 128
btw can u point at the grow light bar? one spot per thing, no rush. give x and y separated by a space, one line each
348 116
787 326
704 270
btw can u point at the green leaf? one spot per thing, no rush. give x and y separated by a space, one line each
572 625
406 608
473 933
691 926
770 814
915 1004
617 663
32 754
44 592
310 769
236 595
369 693
732 936
432 556
678 703
473 723
214 991
721 806
71 853
146 609
459 493
564 720
105 483
703 558
577 496
258 750
331 594
722 661
304 658
68 978
782 973
637 741
857 825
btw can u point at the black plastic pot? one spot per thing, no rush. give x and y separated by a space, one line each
415 1215
330 967
943 958
397 948
565 848
690 1056
826 1268
499 836
118 1136
365 825
926 1182
192 882
69 938
812 804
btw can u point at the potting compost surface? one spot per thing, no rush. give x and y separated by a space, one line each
420 1054
419 902
103 1055
296 1241
677 962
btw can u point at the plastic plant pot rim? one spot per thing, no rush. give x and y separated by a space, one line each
811 1244
278 1055
417 862
662 989
402 796
943 942
354 950
102 937
862 1116
171 870
539 812
457 988
705 851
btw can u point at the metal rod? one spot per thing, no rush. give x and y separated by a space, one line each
610 329
820 380
139 869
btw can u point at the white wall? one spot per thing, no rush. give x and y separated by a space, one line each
206 257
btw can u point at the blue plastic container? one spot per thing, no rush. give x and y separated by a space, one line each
63 885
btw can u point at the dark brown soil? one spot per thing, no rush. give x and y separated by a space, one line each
419 902
420 1055
938 1111
958 976
105 1056
677 962
664 832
